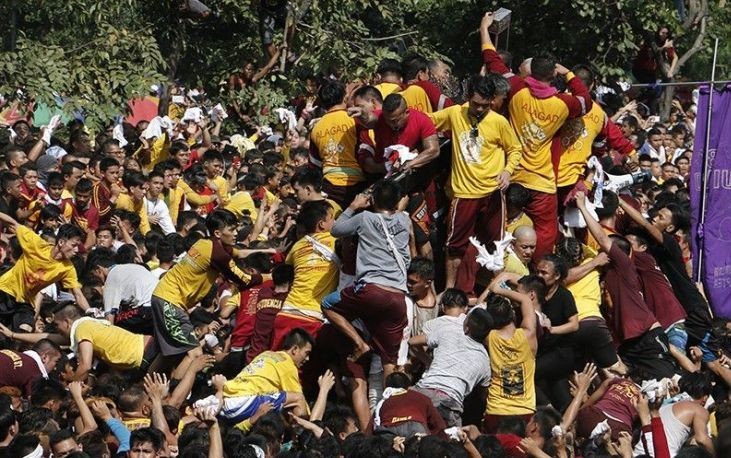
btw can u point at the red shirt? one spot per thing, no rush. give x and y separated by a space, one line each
418 127
28 196
87 219
246 315
630 316
657 291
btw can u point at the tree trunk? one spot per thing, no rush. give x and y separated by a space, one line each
698 11
666 102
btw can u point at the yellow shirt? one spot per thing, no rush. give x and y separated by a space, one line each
587 294
222 188
333 145
136 423
477 161
159 151
173 200
387 88
577 136
536 121
36 269
514 265
593 244
270 372
512 388
188 281
337 209
192 197
112 344
241 201
521 220
417 99
314 276
125 202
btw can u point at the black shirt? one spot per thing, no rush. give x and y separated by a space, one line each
559 308
669 257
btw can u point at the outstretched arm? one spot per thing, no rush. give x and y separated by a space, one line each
637 217
8 221
593 225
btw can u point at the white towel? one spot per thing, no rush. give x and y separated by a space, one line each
496 261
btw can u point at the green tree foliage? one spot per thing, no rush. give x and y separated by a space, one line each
97 54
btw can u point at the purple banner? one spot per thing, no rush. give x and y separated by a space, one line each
714 238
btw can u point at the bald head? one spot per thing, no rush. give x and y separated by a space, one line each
524 244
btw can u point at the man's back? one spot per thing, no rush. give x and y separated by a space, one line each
536 121
128 284
377 263
270 372
192 278
333 147
459 363
513 364
19 370
35 269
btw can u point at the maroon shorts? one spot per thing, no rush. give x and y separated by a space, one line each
383 312
590 416
483 218
283 325
543 211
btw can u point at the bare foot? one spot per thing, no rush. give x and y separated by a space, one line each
360 350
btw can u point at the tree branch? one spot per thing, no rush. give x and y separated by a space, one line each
698 43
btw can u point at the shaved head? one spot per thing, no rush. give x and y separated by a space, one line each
524 244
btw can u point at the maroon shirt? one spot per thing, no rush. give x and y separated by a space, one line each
18 370
100 198
657 291
630 315
618 401
410 406
267 307
246 315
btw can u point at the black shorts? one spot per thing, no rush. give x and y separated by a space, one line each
137 320
13 314
649 355
594 342
173 330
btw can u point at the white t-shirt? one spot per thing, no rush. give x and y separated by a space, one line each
128 283
158 208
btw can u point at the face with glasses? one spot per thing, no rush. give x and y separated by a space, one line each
170 179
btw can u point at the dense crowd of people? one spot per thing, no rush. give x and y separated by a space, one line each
385 272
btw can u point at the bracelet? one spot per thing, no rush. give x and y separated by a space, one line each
12 336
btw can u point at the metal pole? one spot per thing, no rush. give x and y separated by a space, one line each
704 170
680 83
